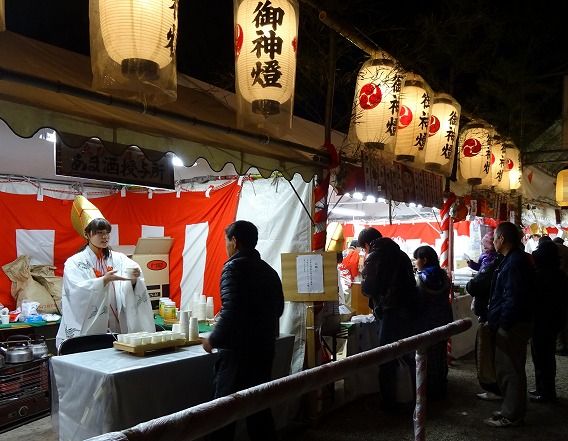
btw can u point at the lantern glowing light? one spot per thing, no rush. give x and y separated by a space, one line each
266 41
442 134
562 188
475 152
413 119
375 106
512 170
139 35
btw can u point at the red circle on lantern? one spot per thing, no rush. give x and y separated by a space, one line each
404 117
510 164
471 147
295 44
370 96
492 159
434 125
239 37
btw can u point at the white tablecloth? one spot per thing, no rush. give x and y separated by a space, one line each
108 390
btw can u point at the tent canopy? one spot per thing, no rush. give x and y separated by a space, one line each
42 86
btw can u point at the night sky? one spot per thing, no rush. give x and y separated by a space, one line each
502 64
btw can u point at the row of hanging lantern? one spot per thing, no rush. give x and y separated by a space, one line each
487 160
133 53
133 45
399 114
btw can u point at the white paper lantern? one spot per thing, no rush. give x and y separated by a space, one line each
266 42
512 171
442 134
139 35
562 188
475 152
375 106
497 164
414 116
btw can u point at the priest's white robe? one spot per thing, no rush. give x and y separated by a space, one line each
90 307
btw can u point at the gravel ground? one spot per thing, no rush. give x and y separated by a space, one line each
458 418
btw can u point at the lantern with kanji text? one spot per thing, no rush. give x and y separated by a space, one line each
442 134
413 118
133 48
266 43
475 152
375 106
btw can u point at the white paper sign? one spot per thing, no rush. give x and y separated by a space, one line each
309 270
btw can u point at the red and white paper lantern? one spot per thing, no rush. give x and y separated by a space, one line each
475 152
414 115
442 134
375 106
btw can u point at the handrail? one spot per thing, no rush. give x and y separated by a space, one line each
197 421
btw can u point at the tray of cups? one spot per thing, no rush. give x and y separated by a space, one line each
141 343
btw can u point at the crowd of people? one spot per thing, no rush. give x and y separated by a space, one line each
519 297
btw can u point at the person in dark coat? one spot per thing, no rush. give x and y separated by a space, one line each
510 318
388 281
550 319
251 303
434 294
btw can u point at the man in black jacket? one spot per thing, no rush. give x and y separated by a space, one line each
510 318
245 334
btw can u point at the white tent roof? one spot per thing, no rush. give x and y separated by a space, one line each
42 86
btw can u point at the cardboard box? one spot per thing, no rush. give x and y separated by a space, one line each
153 256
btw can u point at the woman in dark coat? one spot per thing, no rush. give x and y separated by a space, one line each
549 320
434 290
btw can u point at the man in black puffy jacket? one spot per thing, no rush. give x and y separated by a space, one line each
245 334
510 317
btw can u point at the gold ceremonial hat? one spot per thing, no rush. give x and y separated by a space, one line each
334 238
82 213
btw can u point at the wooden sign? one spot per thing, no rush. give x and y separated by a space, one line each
290 279
93 161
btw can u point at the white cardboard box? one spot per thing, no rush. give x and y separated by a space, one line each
153 256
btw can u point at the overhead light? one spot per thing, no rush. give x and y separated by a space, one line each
358 195
381 200
347 211
370 198
347 195
412 205
419 205
176 161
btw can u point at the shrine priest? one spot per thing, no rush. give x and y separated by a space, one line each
103 290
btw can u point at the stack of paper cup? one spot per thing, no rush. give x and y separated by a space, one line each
201 310
209 309
193 329
184 323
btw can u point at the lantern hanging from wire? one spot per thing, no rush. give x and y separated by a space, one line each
266 43
497 163
562 188
133 48
375 105
414 116
512 171
475 152
442 134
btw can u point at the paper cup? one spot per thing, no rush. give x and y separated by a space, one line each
5 319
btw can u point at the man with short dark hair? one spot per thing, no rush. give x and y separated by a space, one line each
510 319
245 334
